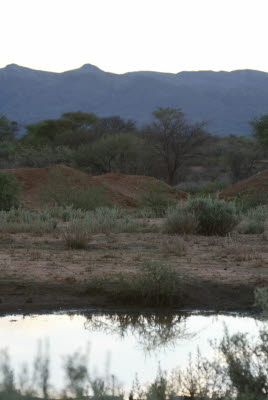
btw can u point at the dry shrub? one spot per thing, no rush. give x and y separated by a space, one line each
176 246
76 235
180 221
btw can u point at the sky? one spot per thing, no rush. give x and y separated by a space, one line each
132 35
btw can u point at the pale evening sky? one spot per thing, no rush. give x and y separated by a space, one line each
130 35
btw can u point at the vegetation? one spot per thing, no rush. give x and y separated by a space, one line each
214 216
64 190
76 235
238 371
254 221
156 199
202 215
171 148
154 285
180 220
9 191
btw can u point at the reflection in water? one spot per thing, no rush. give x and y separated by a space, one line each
152 331
136 343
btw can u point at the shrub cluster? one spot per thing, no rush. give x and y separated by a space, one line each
202 215
154 285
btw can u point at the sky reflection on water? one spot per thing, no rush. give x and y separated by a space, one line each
126 343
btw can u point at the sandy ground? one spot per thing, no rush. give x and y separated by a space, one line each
38 273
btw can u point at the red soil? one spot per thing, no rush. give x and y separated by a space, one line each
120 188
256 183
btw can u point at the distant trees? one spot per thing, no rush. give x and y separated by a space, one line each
72 129
176 139
260 129
7 129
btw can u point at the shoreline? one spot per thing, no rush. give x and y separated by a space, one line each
45 298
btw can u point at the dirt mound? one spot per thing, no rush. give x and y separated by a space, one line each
121 189
256 183
131 186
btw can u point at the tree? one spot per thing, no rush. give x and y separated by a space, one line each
71 129
176 138
260 129
111 153
113 123
7 129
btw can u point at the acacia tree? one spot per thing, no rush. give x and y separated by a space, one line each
176 138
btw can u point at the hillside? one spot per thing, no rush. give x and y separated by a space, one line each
122 190
227 100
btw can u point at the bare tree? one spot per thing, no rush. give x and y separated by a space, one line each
176 138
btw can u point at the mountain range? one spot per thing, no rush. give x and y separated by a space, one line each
226 100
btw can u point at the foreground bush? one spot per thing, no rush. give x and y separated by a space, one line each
202 215
9 191
180 220
154 285
214 216
76 235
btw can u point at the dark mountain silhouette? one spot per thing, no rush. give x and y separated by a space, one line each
228 100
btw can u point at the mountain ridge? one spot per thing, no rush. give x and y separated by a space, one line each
227 99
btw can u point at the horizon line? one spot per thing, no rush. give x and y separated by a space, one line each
123 73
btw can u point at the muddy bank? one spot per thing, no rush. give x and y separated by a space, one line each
33 297
38 273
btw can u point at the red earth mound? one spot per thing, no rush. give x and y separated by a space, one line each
121 189
256 183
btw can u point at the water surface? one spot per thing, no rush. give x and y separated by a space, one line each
124 344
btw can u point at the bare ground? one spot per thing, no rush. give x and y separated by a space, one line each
38 273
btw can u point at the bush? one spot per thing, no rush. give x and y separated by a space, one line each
76 235
107 220
261 299
254 221
20 220
180 220
155 198
9 191
154 285
214 216
253 199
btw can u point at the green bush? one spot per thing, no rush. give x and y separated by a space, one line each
180 220
156 199
254 221
154 285
214 216
9 191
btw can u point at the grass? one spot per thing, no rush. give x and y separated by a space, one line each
154 201
76 235
174 246
22 221
254 221
61 190
155 284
